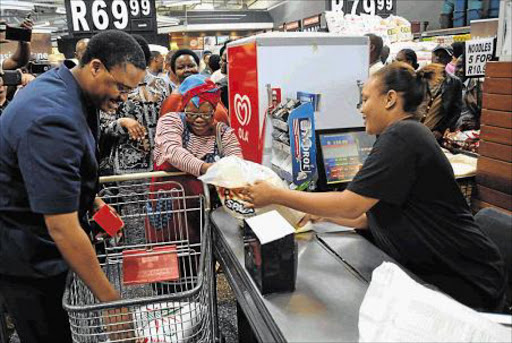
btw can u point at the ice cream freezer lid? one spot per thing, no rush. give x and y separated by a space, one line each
300 38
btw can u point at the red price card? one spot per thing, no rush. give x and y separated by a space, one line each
142 266
109 220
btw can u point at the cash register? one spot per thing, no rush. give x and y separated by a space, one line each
342 153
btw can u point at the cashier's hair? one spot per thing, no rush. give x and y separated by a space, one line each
114 48
410 84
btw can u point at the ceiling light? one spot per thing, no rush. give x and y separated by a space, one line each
168 3
17 5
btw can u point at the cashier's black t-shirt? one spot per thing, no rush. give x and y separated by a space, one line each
422 219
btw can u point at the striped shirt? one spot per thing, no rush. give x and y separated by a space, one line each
169 145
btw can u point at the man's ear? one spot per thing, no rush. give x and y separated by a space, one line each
391 99
96 67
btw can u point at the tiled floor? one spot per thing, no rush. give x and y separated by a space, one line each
226 309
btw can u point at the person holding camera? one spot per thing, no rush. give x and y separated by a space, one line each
48 183
22 54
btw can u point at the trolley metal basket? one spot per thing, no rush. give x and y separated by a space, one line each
182 310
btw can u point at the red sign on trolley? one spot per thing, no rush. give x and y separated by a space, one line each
146 266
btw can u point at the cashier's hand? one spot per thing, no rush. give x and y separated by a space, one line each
134 128
260 194
310 218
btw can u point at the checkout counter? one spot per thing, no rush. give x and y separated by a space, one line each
334 271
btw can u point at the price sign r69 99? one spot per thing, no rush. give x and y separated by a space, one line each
86 16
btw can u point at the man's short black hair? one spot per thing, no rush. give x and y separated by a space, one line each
224 47
207 52
182 52
458 48
114 48
214 62
144 46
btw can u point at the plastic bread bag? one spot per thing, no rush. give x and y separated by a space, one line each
232 173
168 322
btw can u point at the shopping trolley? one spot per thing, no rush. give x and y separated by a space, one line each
179 310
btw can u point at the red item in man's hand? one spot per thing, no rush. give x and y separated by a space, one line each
109 220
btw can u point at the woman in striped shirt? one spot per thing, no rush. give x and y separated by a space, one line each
192 141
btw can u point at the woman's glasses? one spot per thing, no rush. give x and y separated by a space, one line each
195 115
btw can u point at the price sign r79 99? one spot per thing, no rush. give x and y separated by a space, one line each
382 8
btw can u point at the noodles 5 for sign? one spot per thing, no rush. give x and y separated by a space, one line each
478 53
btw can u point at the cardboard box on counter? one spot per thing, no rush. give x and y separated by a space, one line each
270 252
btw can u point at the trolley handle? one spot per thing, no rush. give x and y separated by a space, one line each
149 175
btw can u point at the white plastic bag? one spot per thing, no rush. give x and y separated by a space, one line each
168 322
232 173
398 309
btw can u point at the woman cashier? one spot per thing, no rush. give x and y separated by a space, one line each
406 194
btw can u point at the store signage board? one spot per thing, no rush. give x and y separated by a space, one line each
86 17
478 53
383 8
293 26
312 24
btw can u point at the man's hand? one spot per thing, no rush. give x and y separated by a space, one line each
134 128
77 250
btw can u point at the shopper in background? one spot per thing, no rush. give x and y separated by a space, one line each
442 54
184 63
3 98
21 55
214 63
80 47
169 76
408 56
471 99
442 106
385 54
458 50
376 45
193 140
127 138
48 178
156 63
406 194
204 67
220 74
